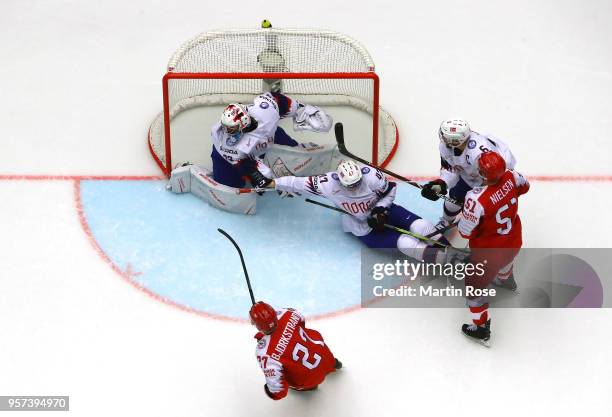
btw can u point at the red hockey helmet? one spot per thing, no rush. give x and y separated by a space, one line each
263 316
491 167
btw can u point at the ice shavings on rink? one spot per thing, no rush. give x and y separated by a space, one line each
296 253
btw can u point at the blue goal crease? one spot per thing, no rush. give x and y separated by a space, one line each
296 253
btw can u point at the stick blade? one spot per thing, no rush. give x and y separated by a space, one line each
339 131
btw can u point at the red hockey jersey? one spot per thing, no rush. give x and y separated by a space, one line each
490 214
293 356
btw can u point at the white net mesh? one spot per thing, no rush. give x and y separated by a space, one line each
271 51
283 51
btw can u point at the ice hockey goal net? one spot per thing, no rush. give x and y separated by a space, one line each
317 67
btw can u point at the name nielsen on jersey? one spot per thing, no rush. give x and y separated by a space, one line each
498 195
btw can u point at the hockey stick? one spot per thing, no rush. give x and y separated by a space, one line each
339 131
253 190
246 274
388 226
441 231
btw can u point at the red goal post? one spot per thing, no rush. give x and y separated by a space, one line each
217 68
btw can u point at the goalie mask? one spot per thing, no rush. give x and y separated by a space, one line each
235 119
349 174
454 132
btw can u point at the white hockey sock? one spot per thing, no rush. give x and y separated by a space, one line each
411 247
450 212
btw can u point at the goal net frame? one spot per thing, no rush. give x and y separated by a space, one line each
162 124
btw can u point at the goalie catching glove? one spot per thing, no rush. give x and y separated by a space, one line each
378 218
311 118
433 189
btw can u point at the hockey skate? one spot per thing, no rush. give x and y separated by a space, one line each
442 223
457 255
479 334
508 283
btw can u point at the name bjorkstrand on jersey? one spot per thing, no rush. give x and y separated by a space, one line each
284 340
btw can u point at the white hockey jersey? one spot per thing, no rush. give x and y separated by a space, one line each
255 143
374 190
463 166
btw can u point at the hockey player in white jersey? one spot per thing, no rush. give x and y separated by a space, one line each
368 196
460 148
245 133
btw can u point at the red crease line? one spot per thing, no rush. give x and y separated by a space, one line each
81 177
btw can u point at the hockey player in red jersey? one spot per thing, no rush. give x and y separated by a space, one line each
290 355
491 222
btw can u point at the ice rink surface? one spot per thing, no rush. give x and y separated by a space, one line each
85 261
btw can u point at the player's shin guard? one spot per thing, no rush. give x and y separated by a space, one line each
411 247
422 227
418 249
450 212
479 309
431 253
505 278
480 330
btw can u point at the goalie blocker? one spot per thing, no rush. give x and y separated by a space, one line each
303 160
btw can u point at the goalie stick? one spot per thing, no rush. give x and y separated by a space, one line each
246 274
339 131
253 190
397 229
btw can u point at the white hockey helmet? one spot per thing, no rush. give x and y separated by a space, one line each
349 174
235 118
454 132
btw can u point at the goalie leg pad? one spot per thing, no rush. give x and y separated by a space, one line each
180 180
200 183
300 161
219 195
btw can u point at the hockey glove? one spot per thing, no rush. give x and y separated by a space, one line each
433 189
284 194
275 397
378 218
258 180
268 393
